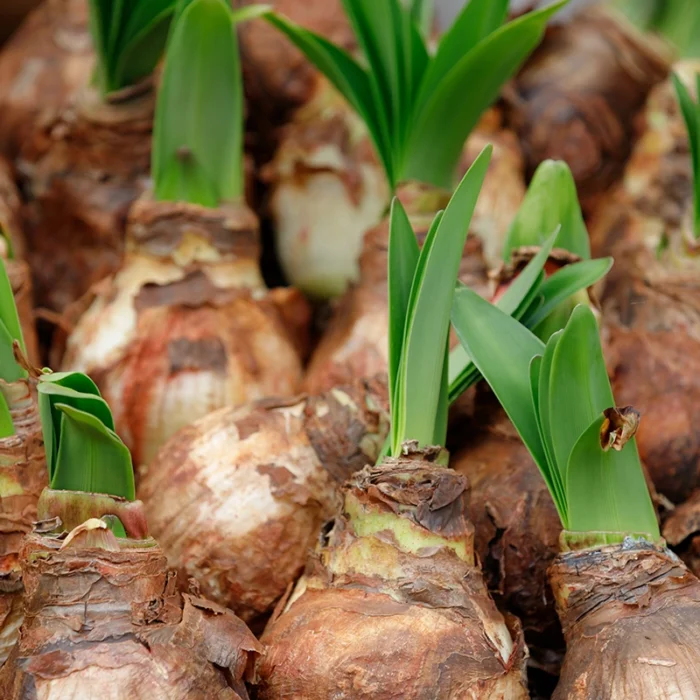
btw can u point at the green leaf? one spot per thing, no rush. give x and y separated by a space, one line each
579 388
551 200
129 37
91 457
462 371
502 349
8 309
691 116
348 77
198 128
67 388
143 41
447 112
403 259
422 372
377 28
7 428
422 13
10 330
475 22
553 478
606 491
566 282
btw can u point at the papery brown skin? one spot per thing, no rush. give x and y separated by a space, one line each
371 619
516 524
81 160
355 343
277 77
238 498
111 624
651 298
187 325
681 529
631 618
577 96
23 475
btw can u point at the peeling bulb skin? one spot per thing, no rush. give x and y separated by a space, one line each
238 498
577 97
43 66
187 326
327 188
80 159
355 343
136 637
516 524
631 617
399 611
22 477
651 298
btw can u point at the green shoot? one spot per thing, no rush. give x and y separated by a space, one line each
551 200
7 427
421 287
543 303
678 21
691 115
419 107
83 453
198 129
10 331
559 399
129 37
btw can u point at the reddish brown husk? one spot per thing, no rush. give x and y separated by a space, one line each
355 343
651 300
238 498
109 623
681 529
17 270
82 160
387 614
277 77
187 326
577 96
22 477
631 617
516 524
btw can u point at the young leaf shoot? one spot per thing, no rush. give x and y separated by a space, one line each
129 37
421 287
558 397
83 453
10 331
419 107
198 129
542 302
690 109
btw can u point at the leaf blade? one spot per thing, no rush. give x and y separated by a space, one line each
428 321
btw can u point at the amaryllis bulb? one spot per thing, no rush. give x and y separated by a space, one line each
355 343
394 605
261 482
631 617
327 190
187 326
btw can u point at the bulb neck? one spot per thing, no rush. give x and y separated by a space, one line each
610 581
191 237
401 519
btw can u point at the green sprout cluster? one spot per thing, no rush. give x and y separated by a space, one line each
129 37
420 105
